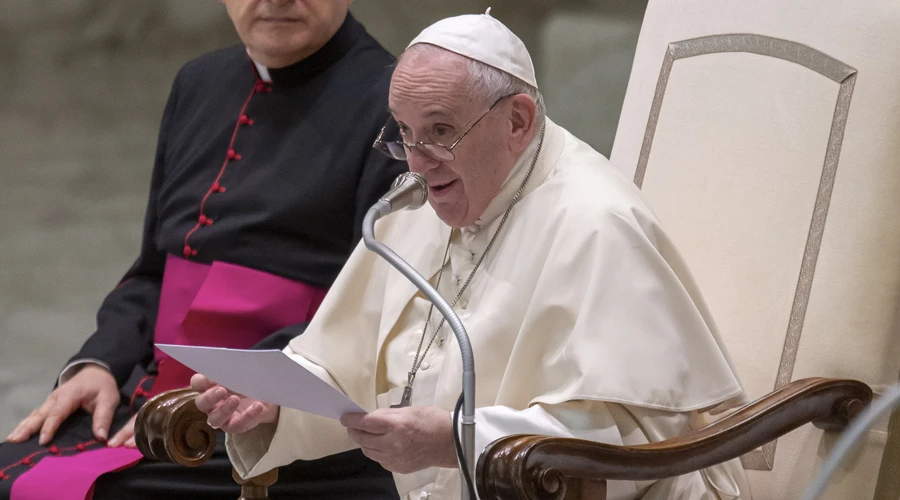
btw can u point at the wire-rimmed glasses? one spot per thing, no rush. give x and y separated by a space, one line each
399 150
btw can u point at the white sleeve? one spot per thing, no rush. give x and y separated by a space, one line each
297 435
570 419
612 424
75 366
588 420
725 481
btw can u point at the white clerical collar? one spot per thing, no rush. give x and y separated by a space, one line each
548 154
262 71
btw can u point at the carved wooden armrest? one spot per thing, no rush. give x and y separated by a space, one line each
539 467
170 428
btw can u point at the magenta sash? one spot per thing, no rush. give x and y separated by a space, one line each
218 305
223 305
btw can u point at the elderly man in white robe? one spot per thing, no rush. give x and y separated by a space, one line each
584 321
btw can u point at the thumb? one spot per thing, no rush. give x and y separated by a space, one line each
104 410
125 434
201 383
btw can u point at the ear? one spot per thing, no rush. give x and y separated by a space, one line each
523 111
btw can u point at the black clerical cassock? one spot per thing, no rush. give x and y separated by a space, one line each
266 170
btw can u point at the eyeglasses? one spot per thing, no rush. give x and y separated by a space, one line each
399 150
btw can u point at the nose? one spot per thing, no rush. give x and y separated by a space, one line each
419 162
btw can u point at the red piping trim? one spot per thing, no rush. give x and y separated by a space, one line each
28 459
138 389
211 190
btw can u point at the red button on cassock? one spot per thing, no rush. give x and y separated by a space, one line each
80 447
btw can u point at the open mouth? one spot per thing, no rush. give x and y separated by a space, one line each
440 188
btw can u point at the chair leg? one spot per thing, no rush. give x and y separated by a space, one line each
257 487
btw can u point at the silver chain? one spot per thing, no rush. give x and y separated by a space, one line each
417 361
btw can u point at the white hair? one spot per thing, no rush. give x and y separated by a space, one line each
489 84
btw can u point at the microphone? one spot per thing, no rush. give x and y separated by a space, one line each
409 192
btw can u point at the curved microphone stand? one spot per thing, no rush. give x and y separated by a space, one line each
410 191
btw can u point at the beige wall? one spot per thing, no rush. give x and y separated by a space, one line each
82 87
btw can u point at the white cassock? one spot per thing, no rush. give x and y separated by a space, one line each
583 319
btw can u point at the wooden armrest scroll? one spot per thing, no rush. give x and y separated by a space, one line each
170 428
539 467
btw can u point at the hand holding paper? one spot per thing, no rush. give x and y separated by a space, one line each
228 411
264 376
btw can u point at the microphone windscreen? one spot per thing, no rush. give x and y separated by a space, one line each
408 192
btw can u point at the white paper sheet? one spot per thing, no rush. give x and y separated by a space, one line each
269 376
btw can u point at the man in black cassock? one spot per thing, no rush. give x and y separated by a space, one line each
265 162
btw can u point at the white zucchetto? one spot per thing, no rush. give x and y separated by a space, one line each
484 39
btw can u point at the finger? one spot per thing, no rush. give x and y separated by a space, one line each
201 383
209 399
62 408
246 420
351 420
27 427
125 433
376 422
367 440
130 443
118 439
223 413
104 409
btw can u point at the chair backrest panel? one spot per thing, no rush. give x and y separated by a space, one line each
766 135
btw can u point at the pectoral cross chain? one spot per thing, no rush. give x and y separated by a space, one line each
406 400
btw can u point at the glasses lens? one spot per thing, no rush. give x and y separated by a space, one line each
393 150
439 153
398 151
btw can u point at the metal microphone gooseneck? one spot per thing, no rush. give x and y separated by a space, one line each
409 192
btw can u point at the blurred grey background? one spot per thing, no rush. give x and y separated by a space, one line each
82 87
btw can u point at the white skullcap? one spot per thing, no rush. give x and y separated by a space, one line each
484 39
